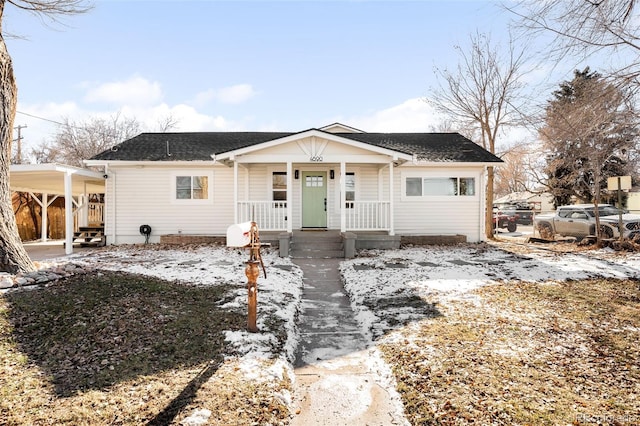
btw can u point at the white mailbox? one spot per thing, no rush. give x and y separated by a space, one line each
239 235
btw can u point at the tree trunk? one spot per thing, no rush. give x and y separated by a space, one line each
13 256
489 205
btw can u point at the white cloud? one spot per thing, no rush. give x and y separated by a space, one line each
134 91
413 115
188 118
236 94
40 119
416 115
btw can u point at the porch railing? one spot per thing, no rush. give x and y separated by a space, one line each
359 215
96 213
368 215
271 215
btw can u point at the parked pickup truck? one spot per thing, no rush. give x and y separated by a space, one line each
579 221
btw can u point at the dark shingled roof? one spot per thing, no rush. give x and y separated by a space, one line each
436 147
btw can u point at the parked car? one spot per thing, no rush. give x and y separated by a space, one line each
525 213
505 219
580 221
523 210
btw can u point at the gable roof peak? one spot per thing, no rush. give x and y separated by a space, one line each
340 128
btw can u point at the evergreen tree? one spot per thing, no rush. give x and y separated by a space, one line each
589 132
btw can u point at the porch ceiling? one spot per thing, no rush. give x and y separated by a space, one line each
49 178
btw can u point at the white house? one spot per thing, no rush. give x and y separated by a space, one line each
542 201
334 178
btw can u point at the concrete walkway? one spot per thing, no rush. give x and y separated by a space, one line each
39 251
338 372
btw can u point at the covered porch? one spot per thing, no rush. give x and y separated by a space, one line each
312 196
73 183
315 180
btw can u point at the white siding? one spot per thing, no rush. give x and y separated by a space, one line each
440 215
633 202
143 196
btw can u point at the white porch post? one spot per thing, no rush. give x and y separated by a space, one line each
343 196
44 225
289 197
235 192
391 197
68 213
83 210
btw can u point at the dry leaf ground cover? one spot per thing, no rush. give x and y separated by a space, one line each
505 335
114 347
525 354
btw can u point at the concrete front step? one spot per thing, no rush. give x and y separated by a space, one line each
316 245
317 254
319 244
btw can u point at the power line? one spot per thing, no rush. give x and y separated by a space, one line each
41 118
69 125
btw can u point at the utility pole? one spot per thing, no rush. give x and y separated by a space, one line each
19 140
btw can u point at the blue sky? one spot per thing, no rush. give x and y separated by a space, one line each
244 65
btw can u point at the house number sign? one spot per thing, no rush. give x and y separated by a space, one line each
316 158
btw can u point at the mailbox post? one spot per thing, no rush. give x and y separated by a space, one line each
246 235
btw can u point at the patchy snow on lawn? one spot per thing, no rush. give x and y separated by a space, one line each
387 290
393 287
279 294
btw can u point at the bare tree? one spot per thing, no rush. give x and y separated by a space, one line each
26 200
13 257
166 123
484 92
590 131
76 141
515 175
582 28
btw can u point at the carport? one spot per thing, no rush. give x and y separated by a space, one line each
54 180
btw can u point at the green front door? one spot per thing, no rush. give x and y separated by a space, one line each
314 199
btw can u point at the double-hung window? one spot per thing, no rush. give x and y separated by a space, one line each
279 189
350 189
191 187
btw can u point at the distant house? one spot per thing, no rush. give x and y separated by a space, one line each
541 201
334 178
633 201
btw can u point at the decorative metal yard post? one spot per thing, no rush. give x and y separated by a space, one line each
252 272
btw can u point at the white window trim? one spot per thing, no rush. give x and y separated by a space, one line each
189 172
270 172
358 177
440 174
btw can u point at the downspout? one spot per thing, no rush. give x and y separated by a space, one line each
113 184
343 197
289 197
235 192
483 206
391 202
